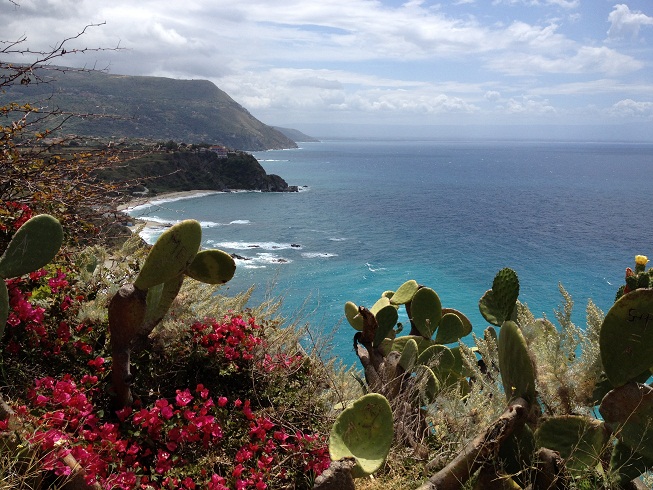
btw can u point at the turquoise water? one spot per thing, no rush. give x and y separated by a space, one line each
374 214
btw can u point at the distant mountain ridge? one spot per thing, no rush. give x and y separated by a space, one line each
157 108
296 135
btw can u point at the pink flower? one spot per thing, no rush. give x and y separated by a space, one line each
202 392
96 363
238 471
183 398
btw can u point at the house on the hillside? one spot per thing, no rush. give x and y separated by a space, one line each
219 150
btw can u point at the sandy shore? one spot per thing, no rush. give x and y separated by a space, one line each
155 199
168 196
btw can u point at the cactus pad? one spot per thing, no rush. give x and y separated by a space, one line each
440 358
382 302
171 255
405 293
409 355
399 343
467 325
426 309
352 316
159 301
628 411
32 246
498 303
386 318
626 337
579 440
363 431
451 328
517 373
212 267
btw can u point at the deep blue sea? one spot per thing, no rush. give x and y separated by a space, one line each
374 214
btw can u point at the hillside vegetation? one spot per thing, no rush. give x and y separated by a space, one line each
157 108
185 170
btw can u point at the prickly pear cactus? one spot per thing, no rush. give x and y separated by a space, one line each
517 373
159 300
579 440
498 303
363 431
426 309
626 338
386 319
398 344
34 245
212 267
409 355
137 308
405 293
171 255
353 317
628 411
451 329
438 356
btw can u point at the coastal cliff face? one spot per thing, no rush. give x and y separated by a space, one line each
197 170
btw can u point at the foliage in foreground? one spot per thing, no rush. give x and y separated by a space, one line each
229 401
533 388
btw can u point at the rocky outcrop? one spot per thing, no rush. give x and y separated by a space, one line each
197 170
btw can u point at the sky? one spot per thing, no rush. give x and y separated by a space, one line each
308 63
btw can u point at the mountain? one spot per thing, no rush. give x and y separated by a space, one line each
295 135
157 108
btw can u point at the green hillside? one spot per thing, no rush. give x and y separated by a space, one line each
191 111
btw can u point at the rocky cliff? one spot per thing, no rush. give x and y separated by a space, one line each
187 170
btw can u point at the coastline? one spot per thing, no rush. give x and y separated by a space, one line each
164 197
149 226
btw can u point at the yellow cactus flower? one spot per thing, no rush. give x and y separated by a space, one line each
641 259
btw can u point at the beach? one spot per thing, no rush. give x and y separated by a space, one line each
135 202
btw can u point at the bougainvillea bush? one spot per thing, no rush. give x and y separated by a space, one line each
217 405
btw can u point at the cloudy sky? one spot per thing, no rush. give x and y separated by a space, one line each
296 62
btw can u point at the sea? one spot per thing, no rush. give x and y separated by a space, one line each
372 214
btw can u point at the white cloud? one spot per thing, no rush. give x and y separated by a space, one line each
626 23
567 4
586 59
629 107
601 86
528 105
492 95
378 57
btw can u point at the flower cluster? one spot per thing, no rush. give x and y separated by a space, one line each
158 446
233 339
13 215
201 427
41 321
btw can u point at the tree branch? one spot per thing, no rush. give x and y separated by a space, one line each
480 450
